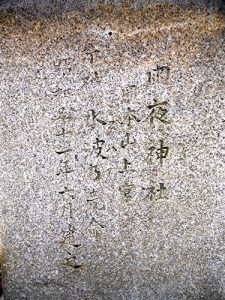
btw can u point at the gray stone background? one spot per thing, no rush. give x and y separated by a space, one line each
57 66
48 7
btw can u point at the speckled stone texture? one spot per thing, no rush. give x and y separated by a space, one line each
112 151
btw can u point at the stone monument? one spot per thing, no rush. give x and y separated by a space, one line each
112 150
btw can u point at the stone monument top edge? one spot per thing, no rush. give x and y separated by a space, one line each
46 8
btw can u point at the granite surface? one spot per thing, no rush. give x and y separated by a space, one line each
45 8
112 151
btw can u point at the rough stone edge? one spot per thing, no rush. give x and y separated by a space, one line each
44 8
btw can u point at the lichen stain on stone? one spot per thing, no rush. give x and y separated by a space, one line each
160 30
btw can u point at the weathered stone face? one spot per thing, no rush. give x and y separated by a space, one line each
112 154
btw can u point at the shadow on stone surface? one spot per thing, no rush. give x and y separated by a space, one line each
50 7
